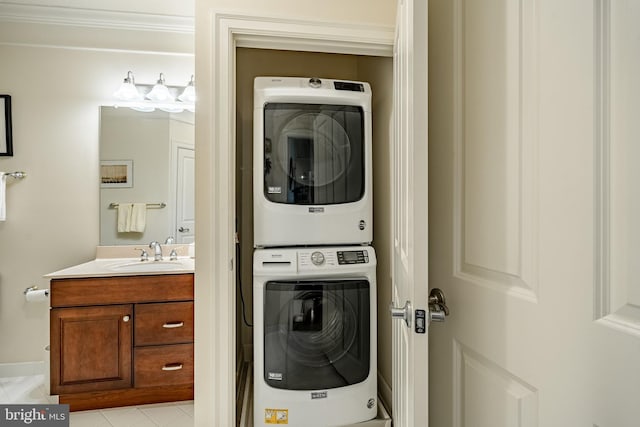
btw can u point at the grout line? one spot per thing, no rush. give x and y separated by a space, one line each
146 416
11 385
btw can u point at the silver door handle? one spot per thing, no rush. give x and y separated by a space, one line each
438 309
183 230
401 312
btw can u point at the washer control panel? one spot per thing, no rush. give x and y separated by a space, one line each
353 257
314 259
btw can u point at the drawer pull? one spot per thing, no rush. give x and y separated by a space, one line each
173 325
172 367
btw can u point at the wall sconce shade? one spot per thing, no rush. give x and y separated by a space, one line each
189 92
160 91
128 90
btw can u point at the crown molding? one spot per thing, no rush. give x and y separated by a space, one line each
95 18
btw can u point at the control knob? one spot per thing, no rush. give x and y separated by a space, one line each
317 258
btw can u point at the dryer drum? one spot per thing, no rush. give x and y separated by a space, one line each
322 328
317 141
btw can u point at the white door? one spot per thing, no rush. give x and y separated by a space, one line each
185 195
410 251
534 108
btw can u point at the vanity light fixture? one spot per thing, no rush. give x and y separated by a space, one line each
146 97
128 90
188 96
160 92
189 92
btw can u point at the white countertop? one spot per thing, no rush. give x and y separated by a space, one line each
110 264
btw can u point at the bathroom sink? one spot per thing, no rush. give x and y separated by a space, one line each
150 266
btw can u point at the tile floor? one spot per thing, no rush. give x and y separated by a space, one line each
31 389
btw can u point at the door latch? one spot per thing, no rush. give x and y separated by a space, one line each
421 323
437 306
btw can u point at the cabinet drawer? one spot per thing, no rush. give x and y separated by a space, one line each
121 290
163 323
163 365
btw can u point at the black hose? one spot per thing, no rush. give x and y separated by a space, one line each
239 283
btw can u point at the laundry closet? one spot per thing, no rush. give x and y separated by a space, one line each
377 72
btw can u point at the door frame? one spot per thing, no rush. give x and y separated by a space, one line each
215 183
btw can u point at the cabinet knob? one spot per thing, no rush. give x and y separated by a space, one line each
126 318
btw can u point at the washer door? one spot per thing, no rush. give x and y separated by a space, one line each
313 154
316 334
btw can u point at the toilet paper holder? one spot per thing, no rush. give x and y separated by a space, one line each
35 288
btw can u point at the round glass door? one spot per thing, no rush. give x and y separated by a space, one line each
314 154
316 333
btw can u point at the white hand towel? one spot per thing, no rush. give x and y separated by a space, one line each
138 217
3 201
124 217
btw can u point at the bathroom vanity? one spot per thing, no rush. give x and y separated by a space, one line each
122 333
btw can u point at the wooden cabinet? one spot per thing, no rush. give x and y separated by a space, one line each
118 341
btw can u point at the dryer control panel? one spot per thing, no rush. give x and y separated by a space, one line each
353 257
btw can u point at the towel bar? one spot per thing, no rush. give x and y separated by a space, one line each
149 205
17 174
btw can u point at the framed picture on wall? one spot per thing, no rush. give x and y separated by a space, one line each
6 140
116 173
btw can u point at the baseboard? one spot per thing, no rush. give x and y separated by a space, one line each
126 397
23 369
385 393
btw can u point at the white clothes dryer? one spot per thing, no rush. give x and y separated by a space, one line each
312 162
314 335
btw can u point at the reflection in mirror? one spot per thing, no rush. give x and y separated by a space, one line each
147 160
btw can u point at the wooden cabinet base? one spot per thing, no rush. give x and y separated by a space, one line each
126 397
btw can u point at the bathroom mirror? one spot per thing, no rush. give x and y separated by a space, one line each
148 159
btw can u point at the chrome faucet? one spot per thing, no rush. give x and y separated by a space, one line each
157 250
169 241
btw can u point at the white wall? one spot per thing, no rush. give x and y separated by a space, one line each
52 215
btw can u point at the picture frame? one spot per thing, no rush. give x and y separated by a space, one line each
116 173
6 136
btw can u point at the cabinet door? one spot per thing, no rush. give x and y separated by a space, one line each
91 348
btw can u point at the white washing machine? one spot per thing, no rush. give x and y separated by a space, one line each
312 162
314 339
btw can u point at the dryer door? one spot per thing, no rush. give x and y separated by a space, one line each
313 154
316 333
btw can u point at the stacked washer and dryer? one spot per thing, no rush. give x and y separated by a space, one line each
314 271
